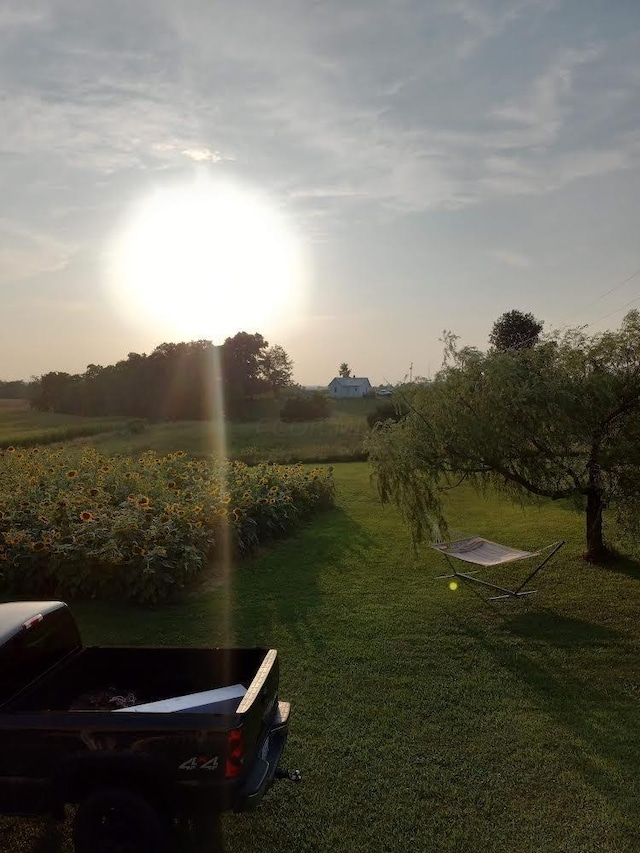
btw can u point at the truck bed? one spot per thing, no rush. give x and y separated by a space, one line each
149 674
56 748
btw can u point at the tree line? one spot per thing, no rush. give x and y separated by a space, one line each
16 389
177 381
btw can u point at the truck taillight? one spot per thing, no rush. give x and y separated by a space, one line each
35 620
235 755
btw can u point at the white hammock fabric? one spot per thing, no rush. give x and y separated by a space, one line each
483 552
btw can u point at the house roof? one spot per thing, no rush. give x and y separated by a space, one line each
351 381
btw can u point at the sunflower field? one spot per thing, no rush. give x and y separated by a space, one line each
79 524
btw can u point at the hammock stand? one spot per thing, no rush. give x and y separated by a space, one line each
482 552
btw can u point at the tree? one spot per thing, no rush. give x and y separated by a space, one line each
514 330
344 370
558 421
276 368
241 360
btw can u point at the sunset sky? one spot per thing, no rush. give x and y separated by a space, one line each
348 178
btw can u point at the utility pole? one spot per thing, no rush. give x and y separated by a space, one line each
411 372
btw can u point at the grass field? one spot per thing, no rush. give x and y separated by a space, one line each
20 426
265 438
338 438
424 719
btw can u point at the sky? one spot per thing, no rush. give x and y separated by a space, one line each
349 179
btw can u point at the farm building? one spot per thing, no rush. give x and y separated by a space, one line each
353 386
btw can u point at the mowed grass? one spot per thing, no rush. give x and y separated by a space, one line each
21 426
338 438
424 719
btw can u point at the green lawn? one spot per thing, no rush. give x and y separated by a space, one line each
424 719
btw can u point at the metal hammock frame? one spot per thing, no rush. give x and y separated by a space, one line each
483 552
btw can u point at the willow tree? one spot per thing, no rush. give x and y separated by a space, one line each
560 420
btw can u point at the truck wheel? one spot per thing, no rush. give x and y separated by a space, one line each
116 821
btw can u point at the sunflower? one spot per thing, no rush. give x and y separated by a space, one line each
137 550
51 470
71 474
38 546
105 469
85 515
144 501
11 449
94 492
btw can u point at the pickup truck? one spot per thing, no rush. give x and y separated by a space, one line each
131 776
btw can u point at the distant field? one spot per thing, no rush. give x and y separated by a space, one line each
265 438
20 426
339 438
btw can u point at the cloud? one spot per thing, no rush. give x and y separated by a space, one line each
25 253
403 106
202 155
541 112
510 258
23 14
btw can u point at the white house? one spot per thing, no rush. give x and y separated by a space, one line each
353 386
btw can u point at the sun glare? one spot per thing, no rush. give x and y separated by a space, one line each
206 261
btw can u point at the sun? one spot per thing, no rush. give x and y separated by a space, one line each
207 260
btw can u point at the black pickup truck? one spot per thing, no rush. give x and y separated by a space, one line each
68 735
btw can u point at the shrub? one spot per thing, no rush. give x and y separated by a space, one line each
387 411
79 524
305 407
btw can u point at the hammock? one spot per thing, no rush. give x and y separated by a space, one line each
482 552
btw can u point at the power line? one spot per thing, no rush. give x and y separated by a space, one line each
602 295
626 305
563 323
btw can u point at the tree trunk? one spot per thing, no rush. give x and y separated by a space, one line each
596 549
